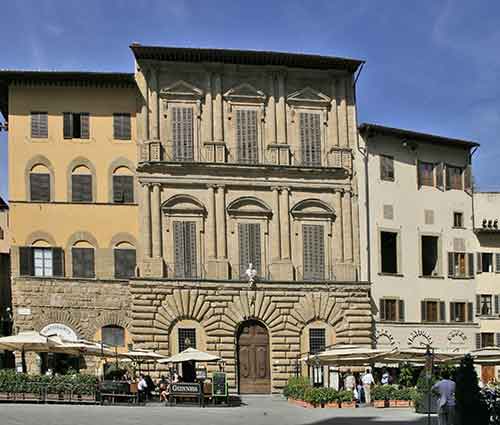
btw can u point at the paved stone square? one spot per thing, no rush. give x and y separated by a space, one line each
256 410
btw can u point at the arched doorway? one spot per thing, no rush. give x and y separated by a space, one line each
254 373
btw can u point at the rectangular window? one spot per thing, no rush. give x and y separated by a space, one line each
250 247
314 251
389 252
485 305
246 136
81 188
43 262
42 259
460 264
317 340
76 125
114 336
486 262
487 339
392 310
453 178
121 126
430 255
185 249
187 338
182 134
83 262
39 125
40 187
123 189
433 311
310 139
387 168
125 261
458 312
425 174
458 219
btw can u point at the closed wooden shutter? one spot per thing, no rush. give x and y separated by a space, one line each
121 126
68 125
471 264
497 339
468 179
478 341
451 264
423 311
442 311
310 139
401 310
479 262
497 304
40 187
39 125
250 247
497 263
246 136
440 176
314 252
84 125
125 262
81 190
57 262
123 189
470 312
382 311
83 262
185 249
478 305
26 267
452 312
182 134
448 177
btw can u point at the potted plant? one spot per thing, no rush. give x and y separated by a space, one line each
331 398
379 396
392 395
403 397
295 389
346 399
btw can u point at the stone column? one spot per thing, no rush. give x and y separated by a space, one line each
218 114
271 111
285 223
156 221
147 220
276 228
281 109
221 223
347 226
155 118
209 110
212 229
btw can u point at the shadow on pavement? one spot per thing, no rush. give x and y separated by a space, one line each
367 420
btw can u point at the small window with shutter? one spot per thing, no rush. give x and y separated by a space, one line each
392 310
453 178
433 311
40 187
440 176
41 261
246 136
387 168
310 139
125 262
425 173
76 125
458 312
185 249
250 247
123 189
313 251
182 133
121 126
39 125
83 262
81 188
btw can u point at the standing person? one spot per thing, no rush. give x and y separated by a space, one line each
350 382
367 381
142 388
385 378
446 406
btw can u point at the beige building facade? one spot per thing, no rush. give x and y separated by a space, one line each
209 199
420 253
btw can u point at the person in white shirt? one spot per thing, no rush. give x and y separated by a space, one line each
142 387
446 404
367 381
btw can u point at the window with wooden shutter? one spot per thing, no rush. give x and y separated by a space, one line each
57 262
497 304
81 188
470 268
125 262
84 125
185 249
425 173
382 313
123 189
401 312
40 187
497 263
41 261
246 136
250 247
83 262
114 336
386 168
182 133
470 312
478 341
314 251
76 125
442 311
432 311
68 125
39 125
440 176
478 305
453 178
458 312
310 139
468 179
121 126
423 311
26 261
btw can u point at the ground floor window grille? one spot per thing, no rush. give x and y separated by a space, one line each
187 338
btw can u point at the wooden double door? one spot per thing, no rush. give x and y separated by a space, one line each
254 374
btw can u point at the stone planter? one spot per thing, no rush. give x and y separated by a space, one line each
347 404
379 403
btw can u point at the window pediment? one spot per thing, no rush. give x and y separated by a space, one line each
249 206
309 96
181 90
183 205
313 208
245 93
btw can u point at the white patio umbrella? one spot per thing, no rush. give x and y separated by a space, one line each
83 347
418 356
190 354
346 355
485 355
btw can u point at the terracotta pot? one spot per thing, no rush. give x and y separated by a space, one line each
379 403
403 403
4 396
332 405
347 404
393 403
300 403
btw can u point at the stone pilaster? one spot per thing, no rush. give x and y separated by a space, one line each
281 267
347 226
219 267
271 111
333 129
281 109
156 221
209 118
146 199
342 114
276 227
218 113
154 106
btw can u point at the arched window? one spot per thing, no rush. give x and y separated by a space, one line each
83 260
113 335
81 184
40 183
123 186
125 260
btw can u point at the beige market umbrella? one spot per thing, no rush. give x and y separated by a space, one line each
83 347
190 354
142 355
346 355
484 356
417 356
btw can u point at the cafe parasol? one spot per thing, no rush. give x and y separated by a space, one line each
191 355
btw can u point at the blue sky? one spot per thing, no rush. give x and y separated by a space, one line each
432 65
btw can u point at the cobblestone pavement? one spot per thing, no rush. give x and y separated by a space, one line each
256 410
